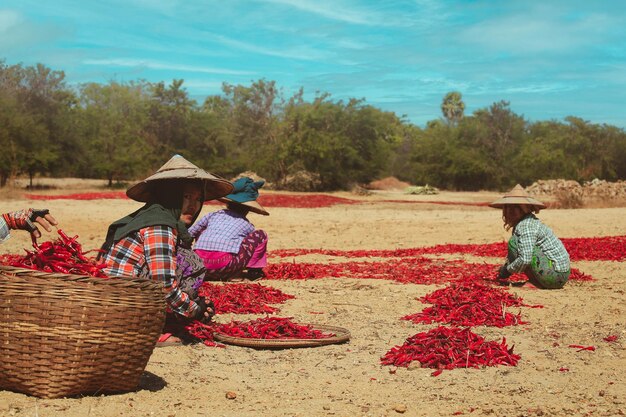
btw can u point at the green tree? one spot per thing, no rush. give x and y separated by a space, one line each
256 112
170 112
453 107
43 99
114 116
345 143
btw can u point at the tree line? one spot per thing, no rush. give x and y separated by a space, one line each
124 131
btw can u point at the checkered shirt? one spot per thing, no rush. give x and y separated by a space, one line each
4 230
221 231
150 253
530 232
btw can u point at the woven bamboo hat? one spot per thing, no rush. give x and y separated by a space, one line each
518 196
178 168
245 193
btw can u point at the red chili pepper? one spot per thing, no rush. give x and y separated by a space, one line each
63 255
581 348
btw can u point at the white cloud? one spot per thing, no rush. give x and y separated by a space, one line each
539 88
164 66
343 11
8 20
302 52
542 29
331 10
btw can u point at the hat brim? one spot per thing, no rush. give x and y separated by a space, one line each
214 186
253 206
504 201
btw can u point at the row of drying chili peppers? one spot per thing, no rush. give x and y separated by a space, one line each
417 270
268 200
608 248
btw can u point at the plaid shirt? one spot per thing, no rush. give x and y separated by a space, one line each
221 231
4 230
150 253
530 232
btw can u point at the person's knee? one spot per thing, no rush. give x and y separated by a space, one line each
261 234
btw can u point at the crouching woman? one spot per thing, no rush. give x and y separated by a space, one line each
144 244
533 248
228 243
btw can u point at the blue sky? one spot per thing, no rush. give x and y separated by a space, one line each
549 59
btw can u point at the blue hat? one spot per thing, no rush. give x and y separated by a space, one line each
245 192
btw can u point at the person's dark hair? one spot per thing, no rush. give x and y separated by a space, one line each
511 221
239 208
169 193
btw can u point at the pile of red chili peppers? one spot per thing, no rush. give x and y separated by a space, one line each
243 298
64 255
262 328
448 348
469 304
271 328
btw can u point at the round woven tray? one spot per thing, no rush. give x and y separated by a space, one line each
64 335
341 335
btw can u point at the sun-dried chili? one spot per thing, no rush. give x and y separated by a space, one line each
64 255
448 348
243 298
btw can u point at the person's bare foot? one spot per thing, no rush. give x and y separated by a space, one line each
168 339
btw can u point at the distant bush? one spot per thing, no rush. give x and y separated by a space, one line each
567 199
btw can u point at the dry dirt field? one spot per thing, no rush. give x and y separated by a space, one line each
348 379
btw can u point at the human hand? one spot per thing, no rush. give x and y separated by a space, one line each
26 219
503 273
205 310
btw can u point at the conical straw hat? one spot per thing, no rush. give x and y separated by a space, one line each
517 196
180 168
253 206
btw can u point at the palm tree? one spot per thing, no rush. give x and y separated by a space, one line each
452 107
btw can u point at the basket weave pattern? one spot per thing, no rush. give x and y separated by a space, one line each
63 335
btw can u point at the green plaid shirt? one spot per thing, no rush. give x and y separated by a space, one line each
4 230
531 232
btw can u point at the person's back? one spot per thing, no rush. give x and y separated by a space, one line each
222 231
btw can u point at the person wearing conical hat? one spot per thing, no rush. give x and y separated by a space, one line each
533 247
144 243
226 240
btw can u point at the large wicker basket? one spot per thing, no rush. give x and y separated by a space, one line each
64 335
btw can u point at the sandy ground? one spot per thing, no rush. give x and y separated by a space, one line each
347 379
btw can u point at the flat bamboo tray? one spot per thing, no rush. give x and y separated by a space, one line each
341 335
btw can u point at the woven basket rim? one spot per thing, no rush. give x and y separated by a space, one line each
7 270
341 335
